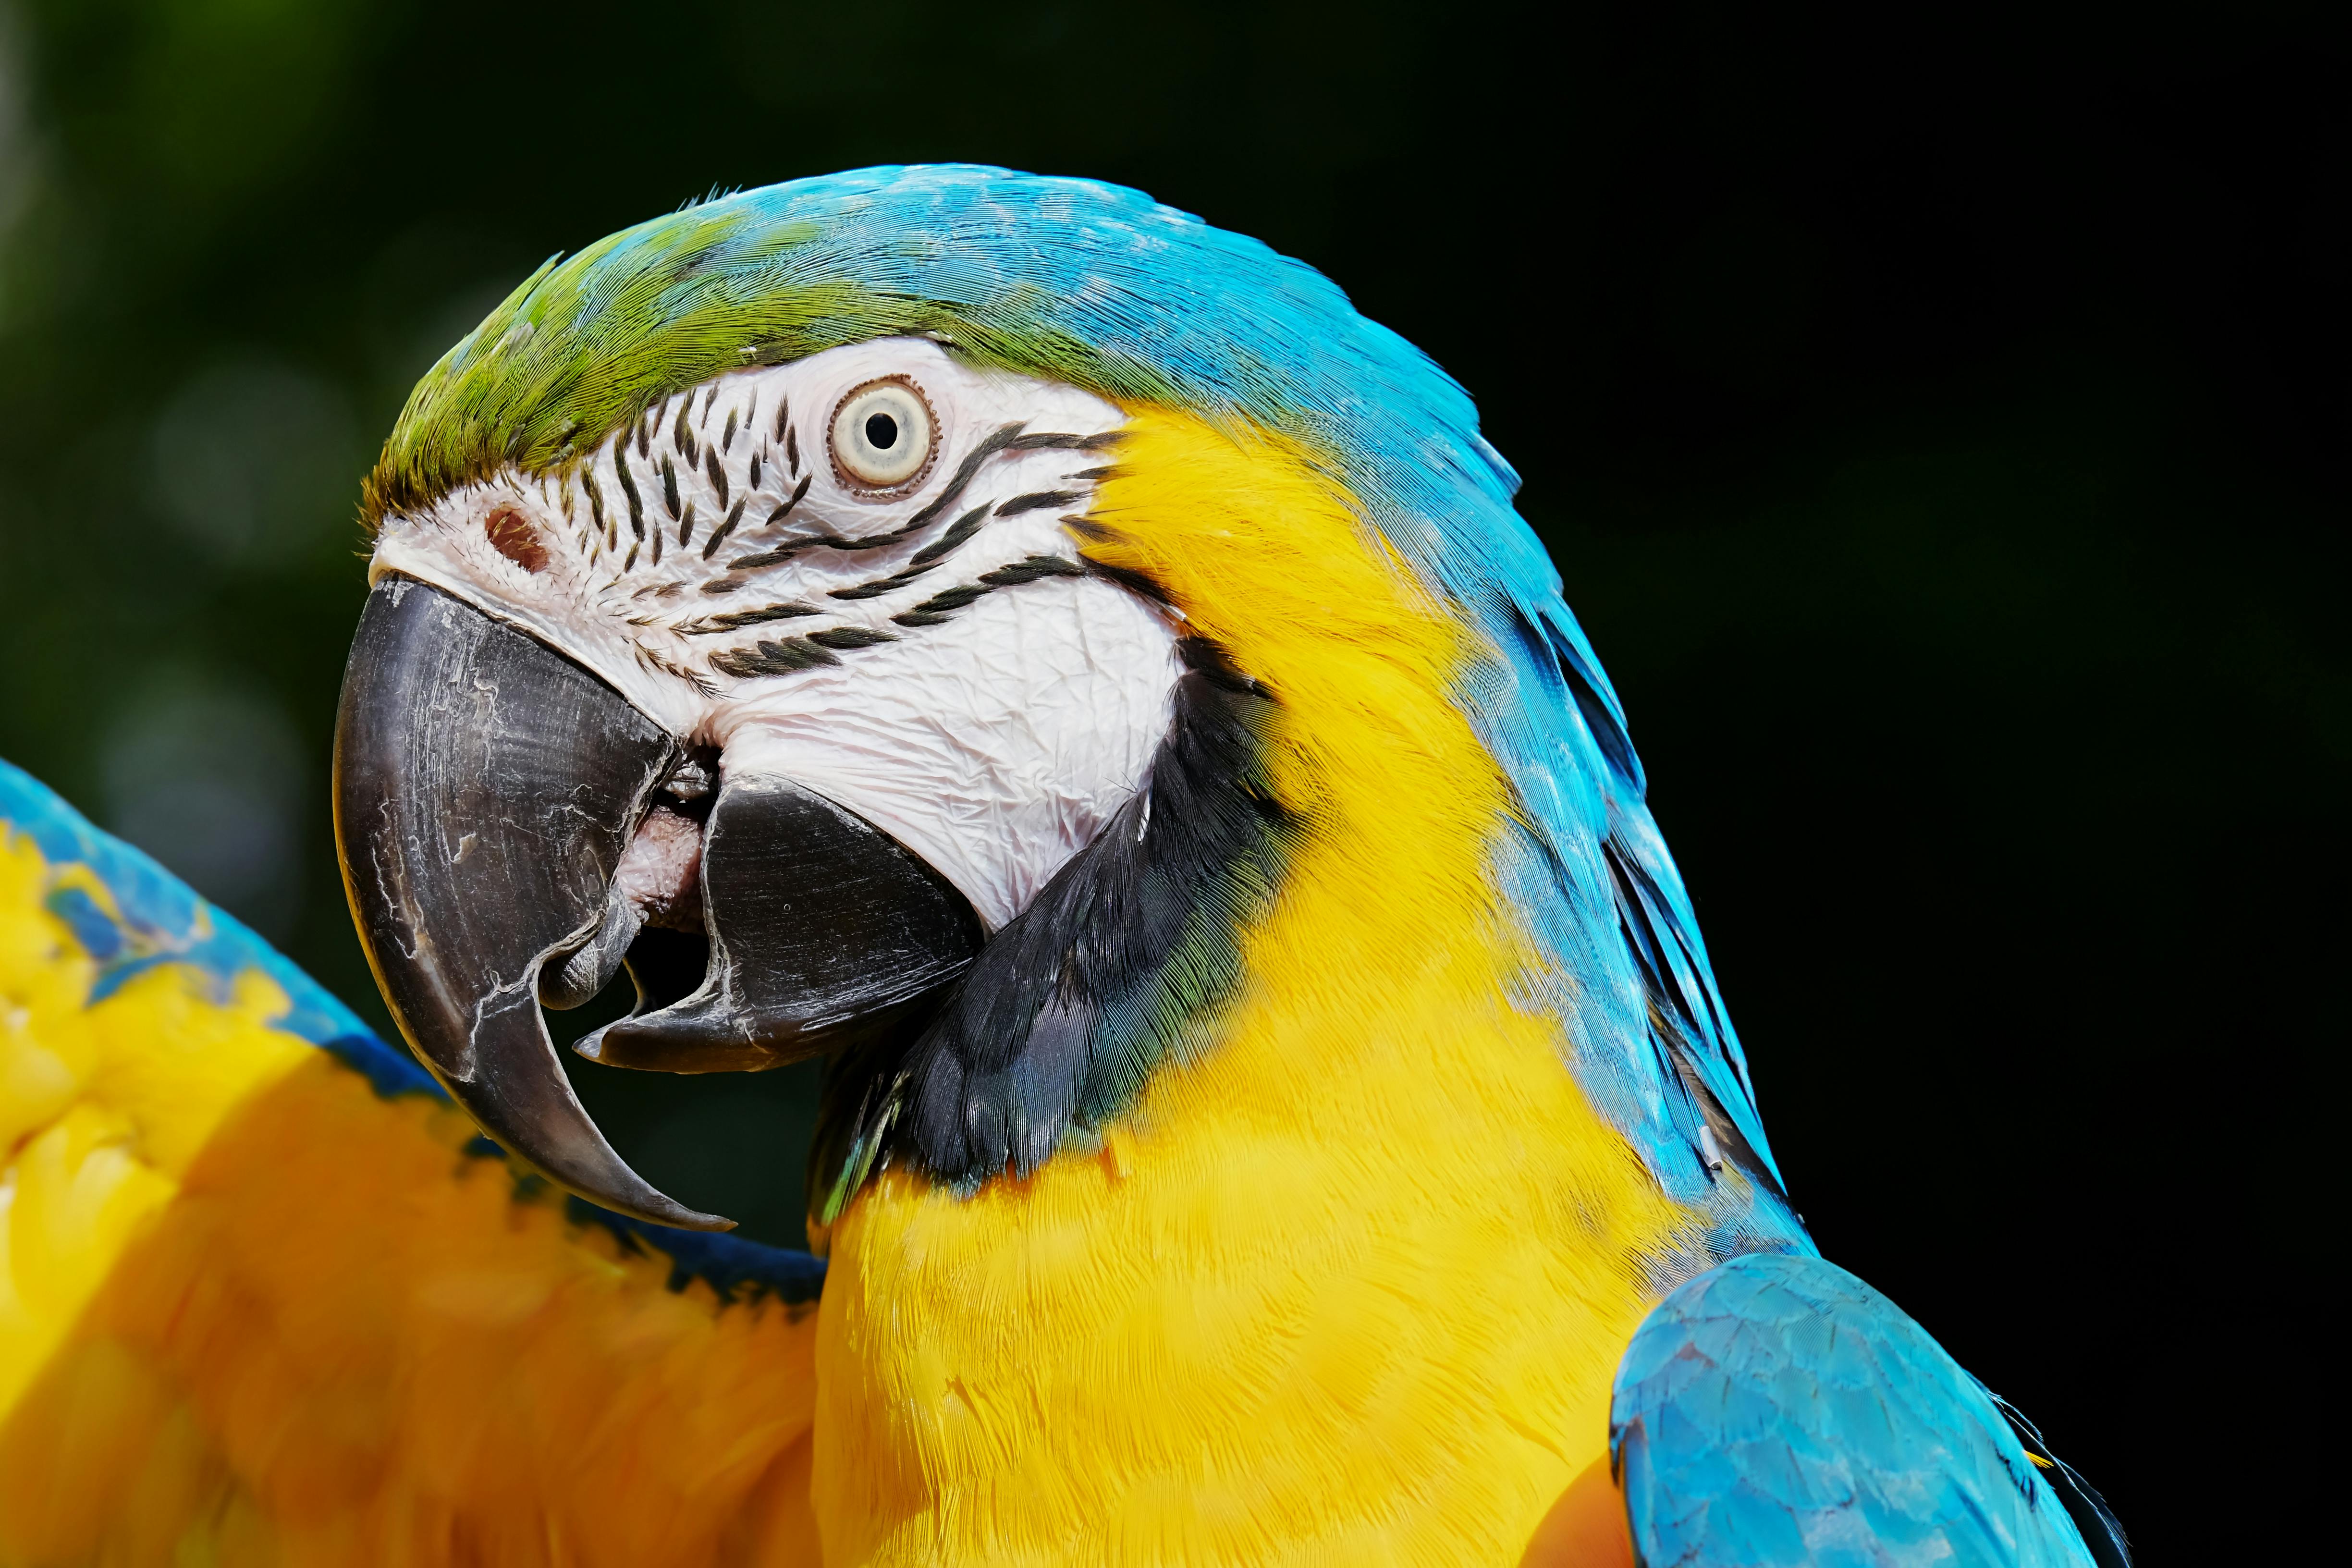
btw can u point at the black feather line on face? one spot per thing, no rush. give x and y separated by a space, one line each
947 543
629 489
1109 970
710 547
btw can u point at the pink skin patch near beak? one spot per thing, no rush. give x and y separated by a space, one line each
661 870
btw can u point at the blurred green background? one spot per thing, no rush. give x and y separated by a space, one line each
1939 424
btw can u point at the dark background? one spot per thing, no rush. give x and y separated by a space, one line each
1942 431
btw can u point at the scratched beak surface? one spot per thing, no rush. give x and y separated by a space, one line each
485 789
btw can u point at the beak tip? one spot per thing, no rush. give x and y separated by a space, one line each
610 1183
590 1169
680 1218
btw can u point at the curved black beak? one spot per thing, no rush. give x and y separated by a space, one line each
486 789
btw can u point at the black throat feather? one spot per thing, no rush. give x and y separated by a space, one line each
1112 968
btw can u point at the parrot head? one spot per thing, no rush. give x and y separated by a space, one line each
787 695
816 602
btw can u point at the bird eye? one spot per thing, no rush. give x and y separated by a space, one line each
882 435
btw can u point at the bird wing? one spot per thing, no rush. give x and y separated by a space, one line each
1777 1410
265 1295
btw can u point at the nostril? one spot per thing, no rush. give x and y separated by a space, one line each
512 536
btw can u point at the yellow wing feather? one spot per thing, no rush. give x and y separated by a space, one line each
252 1312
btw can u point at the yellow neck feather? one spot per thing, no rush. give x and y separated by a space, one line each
1349 1283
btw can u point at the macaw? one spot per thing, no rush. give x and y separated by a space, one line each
1057 660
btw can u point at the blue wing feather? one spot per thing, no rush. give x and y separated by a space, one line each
158 919
1776 1410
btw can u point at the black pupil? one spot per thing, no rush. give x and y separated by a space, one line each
881 432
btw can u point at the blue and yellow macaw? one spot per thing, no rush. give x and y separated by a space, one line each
1057 660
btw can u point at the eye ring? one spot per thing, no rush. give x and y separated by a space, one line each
884 437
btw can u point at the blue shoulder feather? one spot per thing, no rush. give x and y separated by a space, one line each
1776 1410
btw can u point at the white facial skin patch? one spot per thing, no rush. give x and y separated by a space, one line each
905 625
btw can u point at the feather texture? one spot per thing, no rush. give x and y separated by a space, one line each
1346 1281
1777 1410
1106 972
1102 288
1298 1210
266 1297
